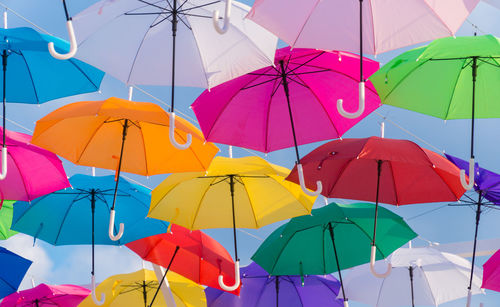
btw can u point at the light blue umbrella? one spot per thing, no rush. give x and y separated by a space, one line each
79 215
14 268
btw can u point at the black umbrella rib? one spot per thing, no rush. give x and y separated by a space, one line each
261 83
162 20
149 13
198 6
154 5
196 15
306 62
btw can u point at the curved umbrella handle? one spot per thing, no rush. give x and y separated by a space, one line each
111 227
236 279
72 43
372 265
171 134
361 107
3 175
94 297
463 181
215 19
300 171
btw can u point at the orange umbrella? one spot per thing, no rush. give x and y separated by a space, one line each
122 135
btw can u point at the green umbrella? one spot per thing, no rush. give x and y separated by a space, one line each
451 78
6 220
332 238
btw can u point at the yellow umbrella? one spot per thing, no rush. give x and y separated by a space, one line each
245 193
137 289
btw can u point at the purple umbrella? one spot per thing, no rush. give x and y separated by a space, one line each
259 289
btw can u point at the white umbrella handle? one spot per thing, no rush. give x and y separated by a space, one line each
236 279
111 227
361 107
3 175
171 133
469 296
463 181
73 46
215 19
94 297
372 265
346 303
319 185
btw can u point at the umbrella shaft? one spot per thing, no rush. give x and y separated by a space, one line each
174 34
277 280
474 76
478 217
92 205
231 184
117 179
330 228
379 170
287 94
164 276
411 284
4 65
361 77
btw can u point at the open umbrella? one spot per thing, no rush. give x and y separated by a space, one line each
245 192
329 240
288 104
47 296
382 25
491 273
397 172
264 290
136 42
451 78
14 268
75 216
6 212
121 135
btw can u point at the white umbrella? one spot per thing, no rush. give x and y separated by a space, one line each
419 277
495 3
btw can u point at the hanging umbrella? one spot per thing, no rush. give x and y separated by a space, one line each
136 289
264 290
382 26
75 216
47 296
246 192
197 256
451 78
420 276
331 239
288 104
32 75
147 53
396 172
14 268
73 46
491 273
121 135
6 212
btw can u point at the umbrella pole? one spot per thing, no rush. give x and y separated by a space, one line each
164 276
478 217
277 282
330 228
4 65
231 184
174 34
145 293
474 76
361 76
93 295
411 283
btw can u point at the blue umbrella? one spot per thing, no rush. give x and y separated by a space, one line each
79 215
13 269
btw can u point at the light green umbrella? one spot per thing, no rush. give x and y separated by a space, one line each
332 238
451 78
6 220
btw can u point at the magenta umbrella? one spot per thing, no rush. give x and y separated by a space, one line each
491 273
47 295
288 104
33 171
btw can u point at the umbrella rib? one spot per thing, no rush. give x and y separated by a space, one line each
63 220
373 32
340 175
428 284
453 92
380 291
394 184
305 22
199 206
83 73
251 207
162 20
22 177
438 17
260 83
179 9
154 5
31 76
306 62
144 148
298 294
197 7
401 81
266 136
88 142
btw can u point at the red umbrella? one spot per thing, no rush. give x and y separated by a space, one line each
396 172
192 254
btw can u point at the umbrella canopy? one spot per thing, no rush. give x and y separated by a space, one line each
190 253
47 296
420 277
491 273
14 268
136 289
6 212
495 3
263 290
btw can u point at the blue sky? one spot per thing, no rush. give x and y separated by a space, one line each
446 224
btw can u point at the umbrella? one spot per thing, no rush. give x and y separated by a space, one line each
47 295
75 216
32 75
6 212
147 53
451 78
329 240
134 289
198 256
264 290
420 276
382 25
491 273
246 192
397 172
285 105
121 135
14 268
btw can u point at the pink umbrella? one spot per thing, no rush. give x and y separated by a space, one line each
33 171
47 296
491 273
382 25
288 104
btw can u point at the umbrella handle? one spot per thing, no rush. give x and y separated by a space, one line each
372 265
215 18
73 46
111 226
463 181
94 297
300 171
361 107
236 279
3 175
171 134
346 303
